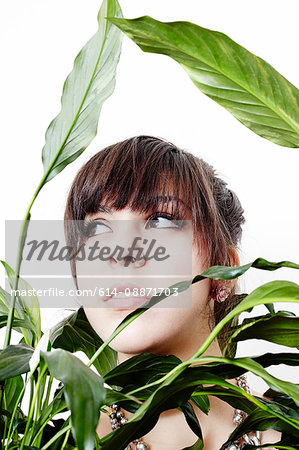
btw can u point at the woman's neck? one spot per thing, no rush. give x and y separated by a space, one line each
182 353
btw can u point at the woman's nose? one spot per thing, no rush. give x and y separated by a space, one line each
126 260
128 242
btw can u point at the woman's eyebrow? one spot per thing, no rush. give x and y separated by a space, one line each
104 209
159 199
167 198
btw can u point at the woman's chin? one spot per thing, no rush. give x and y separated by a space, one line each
134 340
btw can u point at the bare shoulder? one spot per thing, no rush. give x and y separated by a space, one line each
268 436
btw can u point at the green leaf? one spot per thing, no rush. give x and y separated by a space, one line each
84 394
216 273
76 334
128 402
14 360
259 420
256 366
201 401
28 303
275 291
54 407
190 381
85 90
166 397
191 419
20 314
139 369
229 273
12 389
268 359
173 393
233 398
246 85
17 323
278 329
197 446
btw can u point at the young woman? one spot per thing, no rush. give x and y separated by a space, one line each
149 188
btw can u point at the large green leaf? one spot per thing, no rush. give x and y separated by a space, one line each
12 389
191 419
146 416
286 292
14 360
260 420
76 334
246 85
273 292
84 393
280 328
86 88
21 322
172 394
28 307
254 366
139 369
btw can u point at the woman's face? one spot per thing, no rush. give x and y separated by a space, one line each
177 324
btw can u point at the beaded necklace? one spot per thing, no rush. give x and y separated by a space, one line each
118 419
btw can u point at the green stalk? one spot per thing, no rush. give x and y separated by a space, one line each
3 405
38 436
32 406
31 390
10 431
40 396
40 391
21 244
176 371
65 439
57 435
47 396
113 335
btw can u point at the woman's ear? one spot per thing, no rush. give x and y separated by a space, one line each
220 289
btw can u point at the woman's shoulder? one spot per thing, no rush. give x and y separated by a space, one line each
270 436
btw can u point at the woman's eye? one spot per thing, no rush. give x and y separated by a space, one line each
162 222
95 228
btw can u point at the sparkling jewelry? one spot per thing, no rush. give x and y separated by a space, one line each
117 419
220 293
254 437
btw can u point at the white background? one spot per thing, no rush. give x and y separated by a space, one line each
39 41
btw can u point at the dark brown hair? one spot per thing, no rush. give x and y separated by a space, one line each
140 170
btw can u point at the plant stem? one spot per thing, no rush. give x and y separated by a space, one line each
47 396
32 406
57 435
21 244
65 439
113 335
38 435
10 431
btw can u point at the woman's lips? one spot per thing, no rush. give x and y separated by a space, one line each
125 296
